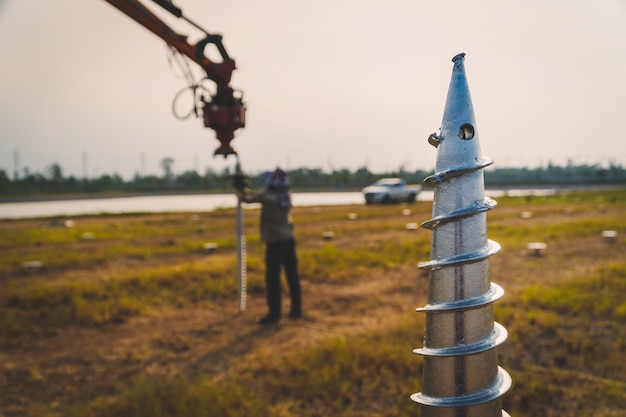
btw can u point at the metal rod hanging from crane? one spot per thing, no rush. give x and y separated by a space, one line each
239 180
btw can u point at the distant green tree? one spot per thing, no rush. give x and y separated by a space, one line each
363 177
55 173
189 180
167 163
5 181
302 179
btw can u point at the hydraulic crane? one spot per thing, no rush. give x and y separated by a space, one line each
224 111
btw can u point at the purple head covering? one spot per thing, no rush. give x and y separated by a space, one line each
279 182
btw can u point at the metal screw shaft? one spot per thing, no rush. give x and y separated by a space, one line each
461 376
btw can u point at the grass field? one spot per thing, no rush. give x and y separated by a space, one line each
128 315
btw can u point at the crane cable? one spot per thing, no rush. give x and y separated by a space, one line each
177 60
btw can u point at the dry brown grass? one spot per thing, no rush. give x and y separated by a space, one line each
182 348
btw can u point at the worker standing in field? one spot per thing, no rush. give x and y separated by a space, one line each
280 244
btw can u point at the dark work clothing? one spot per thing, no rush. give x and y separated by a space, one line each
276 222
277 231
277 254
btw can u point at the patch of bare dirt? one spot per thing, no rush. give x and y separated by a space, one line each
207 340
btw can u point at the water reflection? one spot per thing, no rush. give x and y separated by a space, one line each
155 204
191 203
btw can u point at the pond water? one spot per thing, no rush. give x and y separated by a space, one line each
190 203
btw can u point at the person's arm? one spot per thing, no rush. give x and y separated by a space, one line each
247 196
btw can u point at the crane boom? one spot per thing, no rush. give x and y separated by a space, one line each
224 112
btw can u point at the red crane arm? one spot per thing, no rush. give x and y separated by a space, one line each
224 112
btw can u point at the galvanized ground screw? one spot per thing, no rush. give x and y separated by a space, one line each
461 376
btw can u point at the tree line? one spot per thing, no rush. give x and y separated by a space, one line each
53 180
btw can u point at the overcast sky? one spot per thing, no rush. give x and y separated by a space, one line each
328 84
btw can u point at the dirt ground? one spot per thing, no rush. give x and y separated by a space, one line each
210 340
213 338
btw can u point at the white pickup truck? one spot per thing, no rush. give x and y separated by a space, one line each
390 190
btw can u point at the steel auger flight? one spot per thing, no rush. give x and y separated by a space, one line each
461 376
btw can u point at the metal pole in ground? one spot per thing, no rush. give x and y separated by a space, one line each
239 180
461 376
